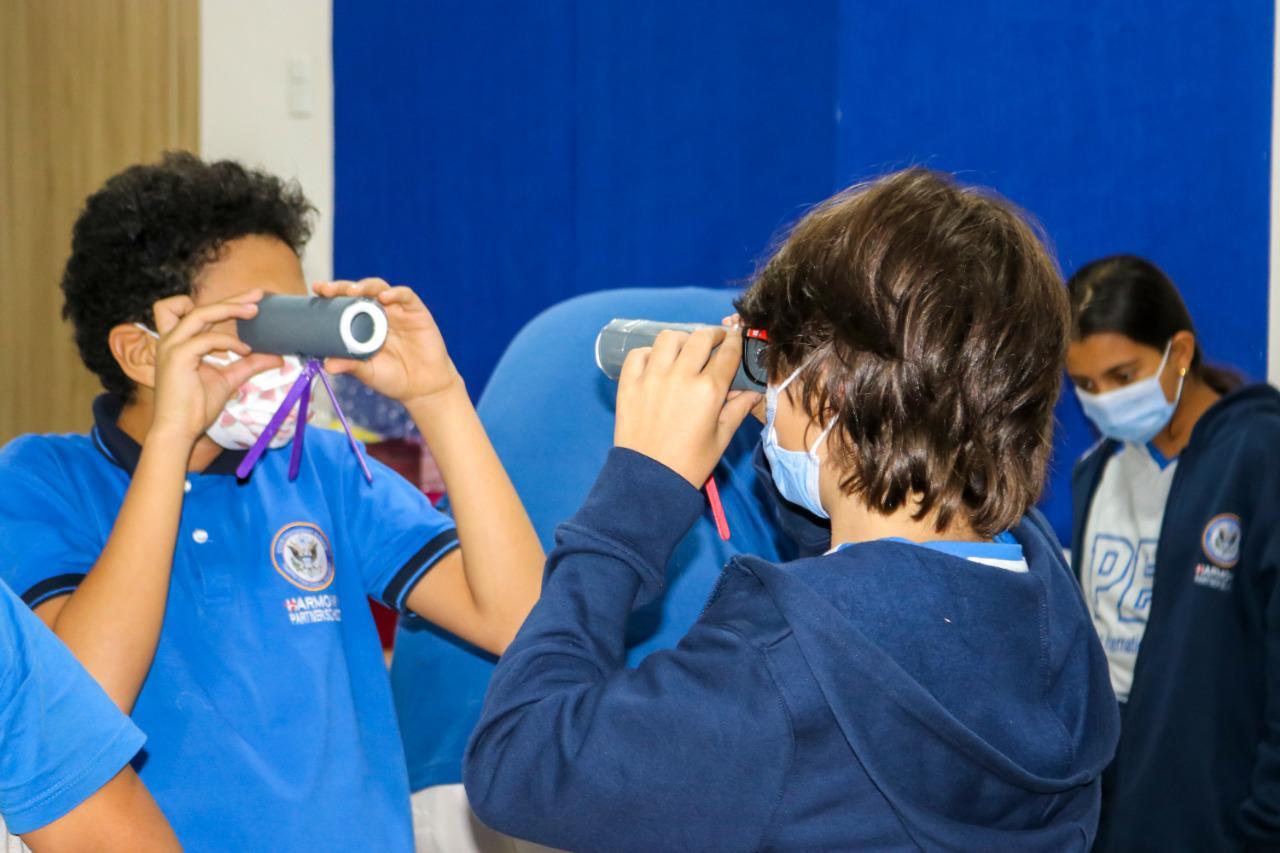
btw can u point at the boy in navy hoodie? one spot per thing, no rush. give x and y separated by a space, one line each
931 679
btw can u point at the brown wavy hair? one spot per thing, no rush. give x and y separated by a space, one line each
931 321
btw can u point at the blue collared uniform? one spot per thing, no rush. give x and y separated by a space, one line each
268 708
61 738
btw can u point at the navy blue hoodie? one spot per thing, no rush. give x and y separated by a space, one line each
1198 766
885 697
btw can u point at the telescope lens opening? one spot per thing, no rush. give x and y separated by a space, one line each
362 328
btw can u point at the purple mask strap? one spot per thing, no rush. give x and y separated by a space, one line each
273 426
295 455
351 439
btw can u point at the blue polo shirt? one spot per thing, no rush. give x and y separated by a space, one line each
61 738
268 707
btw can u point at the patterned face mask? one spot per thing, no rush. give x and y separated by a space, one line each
264 413
247 413
254 404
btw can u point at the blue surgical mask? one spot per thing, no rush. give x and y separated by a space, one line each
1135 413
795 472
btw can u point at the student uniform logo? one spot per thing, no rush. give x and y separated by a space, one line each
301 553
1222 540
1221 545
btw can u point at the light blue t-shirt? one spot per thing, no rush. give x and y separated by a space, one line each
268 708
61 738
1003 552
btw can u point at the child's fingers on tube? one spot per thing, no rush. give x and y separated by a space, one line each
735 411
239 372
205 317
198 346
400 295
633 366
167 312
338 366
696 352
665 349
724 363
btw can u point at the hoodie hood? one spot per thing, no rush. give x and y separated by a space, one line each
984 713
1242 404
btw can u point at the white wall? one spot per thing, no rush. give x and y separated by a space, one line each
251 110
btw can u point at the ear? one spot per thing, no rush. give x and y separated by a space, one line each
1182 350
135 351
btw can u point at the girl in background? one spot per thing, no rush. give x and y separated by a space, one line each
1176 541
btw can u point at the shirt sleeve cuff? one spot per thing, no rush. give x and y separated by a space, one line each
68 793
406 578
52 588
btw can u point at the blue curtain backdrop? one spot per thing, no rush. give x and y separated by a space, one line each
501 157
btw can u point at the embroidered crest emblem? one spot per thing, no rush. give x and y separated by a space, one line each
1221 540
301 553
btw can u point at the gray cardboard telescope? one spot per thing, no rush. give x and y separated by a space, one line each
315 327
619 337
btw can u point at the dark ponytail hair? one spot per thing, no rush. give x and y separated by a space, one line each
1133 297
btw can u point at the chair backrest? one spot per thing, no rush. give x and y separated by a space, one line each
549 412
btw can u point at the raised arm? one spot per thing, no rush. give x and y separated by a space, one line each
483 590
112 621
574 750
577 751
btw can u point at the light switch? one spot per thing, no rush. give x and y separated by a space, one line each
299 88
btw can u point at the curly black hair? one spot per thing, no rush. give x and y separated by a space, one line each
148 232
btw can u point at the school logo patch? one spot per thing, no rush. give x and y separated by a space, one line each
301 553
1221 540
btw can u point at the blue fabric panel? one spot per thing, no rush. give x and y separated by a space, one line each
1124 126
501 157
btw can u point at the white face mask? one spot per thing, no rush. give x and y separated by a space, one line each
254 404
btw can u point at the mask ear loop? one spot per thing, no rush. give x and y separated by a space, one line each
1182 371
822 436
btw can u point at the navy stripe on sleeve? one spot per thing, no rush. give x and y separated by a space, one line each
416 566
52 588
